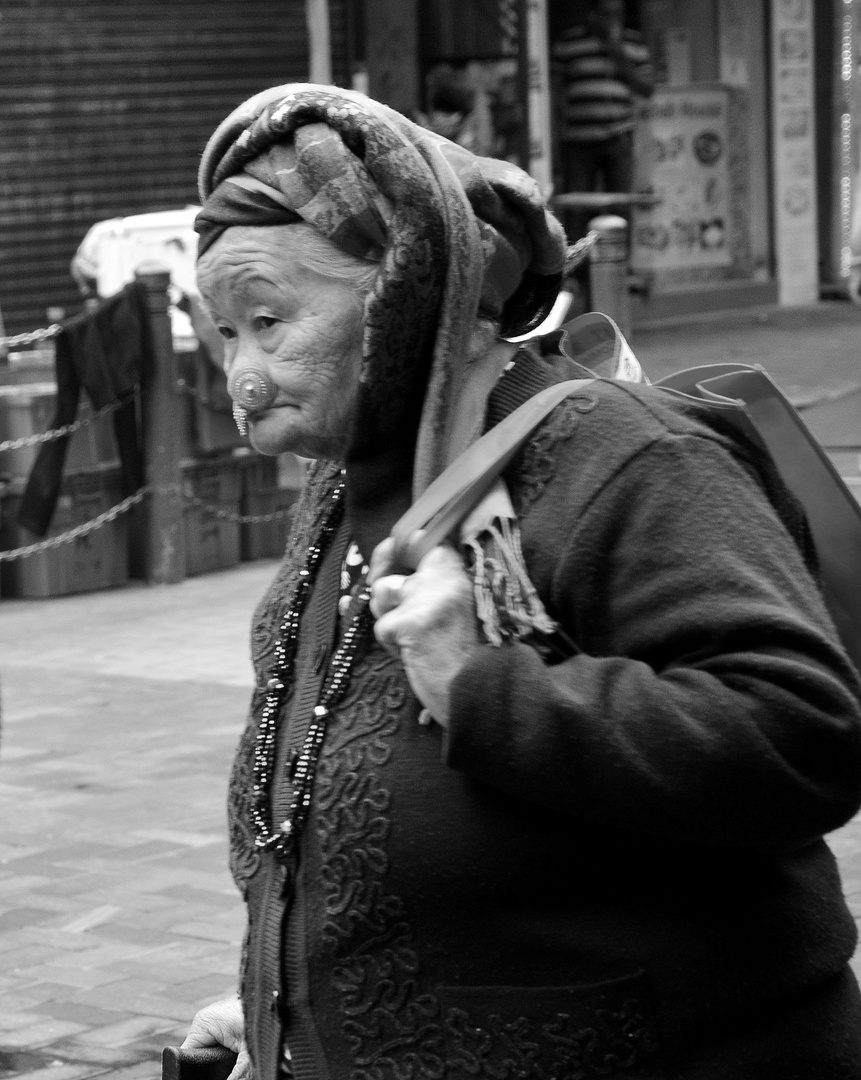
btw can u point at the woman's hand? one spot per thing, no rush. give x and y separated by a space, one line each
222 1024
428 618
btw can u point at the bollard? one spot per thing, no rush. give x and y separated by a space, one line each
608 270
164 534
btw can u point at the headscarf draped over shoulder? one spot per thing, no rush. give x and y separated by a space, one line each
458 234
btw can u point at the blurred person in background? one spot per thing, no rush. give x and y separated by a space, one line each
458 110
602 72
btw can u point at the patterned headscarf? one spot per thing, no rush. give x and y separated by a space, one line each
459 235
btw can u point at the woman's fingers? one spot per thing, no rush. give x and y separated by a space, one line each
218 1024
382 560
387 593
403 601
389 557
429 619
242 1068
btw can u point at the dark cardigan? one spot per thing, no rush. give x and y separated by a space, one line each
610 866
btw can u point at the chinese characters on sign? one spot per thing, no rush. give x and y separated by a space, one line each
683 159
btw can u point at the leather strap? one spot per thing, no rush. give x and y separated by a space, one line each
456 492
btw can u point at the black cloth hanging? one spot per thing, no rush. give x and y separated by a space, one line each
105 351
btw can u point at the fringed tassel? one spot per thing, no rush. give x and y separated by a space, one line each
507 604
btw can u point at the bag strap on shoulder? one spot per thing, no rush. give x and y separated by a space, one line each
746 395
460 488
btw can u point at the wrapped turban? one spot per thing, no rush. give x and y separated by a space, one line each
456 236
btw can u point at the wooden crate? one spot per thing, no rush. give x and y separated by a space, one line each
211 542
98 560
269 485
28 409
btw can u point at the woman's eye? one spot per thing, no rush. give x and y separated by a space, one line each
226 332
264 322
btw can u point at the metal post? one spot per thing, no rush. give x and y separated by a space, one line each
524 135
538 109
164 535
608 270
4 348
319 40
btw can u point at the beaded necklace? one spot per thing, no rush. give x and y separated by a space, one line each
282 841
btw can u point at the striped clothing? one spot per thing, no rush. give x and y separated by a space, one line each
598 103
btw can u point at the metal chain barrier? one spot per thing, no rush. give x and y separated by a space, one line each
84 529
229 515
576 253
105 518
64 429
32 337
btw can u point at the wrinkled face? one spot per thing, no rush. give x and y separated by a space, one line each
304 329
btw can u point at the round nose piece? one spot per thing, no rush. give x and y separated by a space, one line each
251 389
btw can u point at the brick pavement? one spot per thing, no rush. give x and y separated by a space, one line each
118 918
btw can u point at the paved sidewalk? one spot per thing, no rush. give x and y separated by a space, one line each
121 709
118 918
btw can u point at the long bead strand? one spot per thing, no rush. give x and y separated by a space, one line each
282 841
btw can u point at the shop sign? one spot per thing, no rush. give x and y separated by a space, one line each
683 158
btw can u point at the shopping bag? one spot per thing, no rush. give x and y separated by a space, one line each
754 402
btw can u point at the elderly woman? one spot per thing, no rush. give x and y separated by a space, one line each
465 853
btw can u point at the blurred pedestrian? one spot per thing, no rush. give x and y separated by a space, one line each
459 111
603 70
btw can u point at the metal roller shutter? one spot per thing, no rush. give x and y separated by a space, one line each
105 110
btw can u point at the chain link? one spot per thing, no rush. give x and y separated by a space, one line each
31 337
576 253
220 512
229 515
64 429
84 529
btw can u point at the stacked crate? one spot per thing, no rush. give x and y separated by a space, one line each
269 486
91 485
28 409
98 560
212 540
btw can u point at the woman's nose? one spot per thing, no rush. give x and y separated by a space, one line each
249 384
